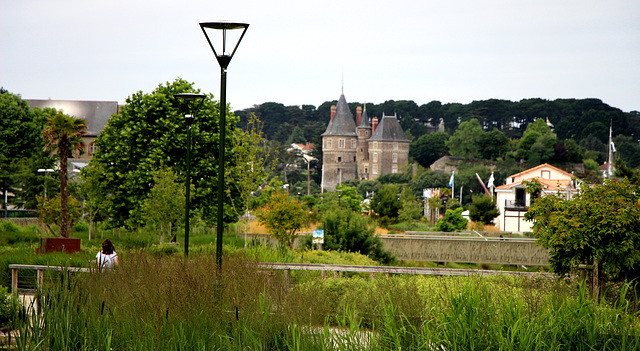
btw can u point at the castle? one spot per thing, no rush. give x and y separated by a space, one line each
355 149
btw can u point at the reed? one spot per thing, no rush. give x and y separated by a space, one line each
177 304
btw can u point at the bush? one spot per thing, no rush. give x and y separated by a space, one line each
353 232
163 250
483 209
452 221
8 308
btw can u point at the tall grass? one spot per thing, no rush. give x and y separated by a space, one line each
177 304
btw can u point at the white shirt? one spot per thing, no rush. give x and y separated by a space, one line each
106 261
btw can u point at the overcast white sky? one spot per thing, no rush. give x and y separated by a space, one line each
297 52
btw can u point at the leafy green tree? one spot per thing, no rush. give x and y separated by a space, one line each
465 142
164 206
283 216
150 133
386 202
452 221
600 225
20 141
63 135
428 148
91 193
349 231
252 164
368 187
536 144
50 210
410 211
297 136
483 209
493 145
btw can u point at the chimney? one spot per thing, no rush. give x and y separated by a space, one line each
333 112
358 115
374 124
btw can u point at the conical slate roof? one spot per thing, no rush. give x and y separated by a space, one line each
389 129
364 120
343 123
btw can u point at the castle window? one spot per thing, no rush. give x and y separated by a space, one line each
394 169
329 146
341 143
395 157
395 146
354 159
339 159
353 143
375 144
375 157
375 168
361 150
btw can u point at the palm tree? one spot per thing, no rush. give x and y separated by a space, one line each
62 135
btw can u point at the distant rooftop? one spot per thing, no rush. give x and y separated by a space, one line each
95 113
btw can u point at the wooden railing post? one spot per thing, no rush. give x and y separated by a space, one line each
40 278
14 280
287 278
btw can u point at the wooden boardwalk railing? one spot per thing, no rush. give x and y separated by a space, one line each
388 270
40 275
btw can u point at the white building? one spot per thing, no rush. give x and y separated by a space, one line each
513 201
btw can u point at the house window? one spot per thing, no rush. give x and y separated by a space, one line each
395 158
545 174
353 143
375 157
92 148
375 168
341 143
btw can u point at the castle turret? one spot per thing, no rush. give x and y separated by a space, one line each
339 143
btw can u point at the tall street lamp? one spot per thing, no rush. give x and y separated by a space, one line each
45 171
190 111
234 30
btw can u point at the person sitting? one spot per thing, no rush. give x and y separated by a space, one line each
107 257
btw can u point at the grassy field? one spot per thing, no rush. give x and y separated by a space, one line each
152 303
157 300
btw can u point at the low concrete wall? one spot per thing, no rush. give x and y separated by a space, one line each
469 250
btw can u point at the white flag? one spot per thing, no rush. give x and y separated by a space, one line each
490 182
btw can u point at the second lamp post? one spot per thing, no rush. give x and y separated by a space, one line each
191 110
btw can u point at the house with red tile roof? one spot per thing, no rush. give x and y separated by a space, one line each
513 201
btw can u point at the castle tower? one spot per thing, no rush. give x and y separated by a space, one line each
339 145
388 148
364 133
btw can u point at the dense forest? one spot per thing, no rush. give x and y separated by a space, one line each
500 131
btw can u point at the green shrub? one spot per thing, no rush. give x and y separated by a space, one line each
8 308
81 226
164 250
452 221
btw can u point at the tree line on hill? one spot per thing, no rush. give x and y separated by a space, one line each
508 135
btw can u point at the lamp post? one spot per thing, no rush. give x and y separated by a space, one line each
224 58
190 112
45 171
